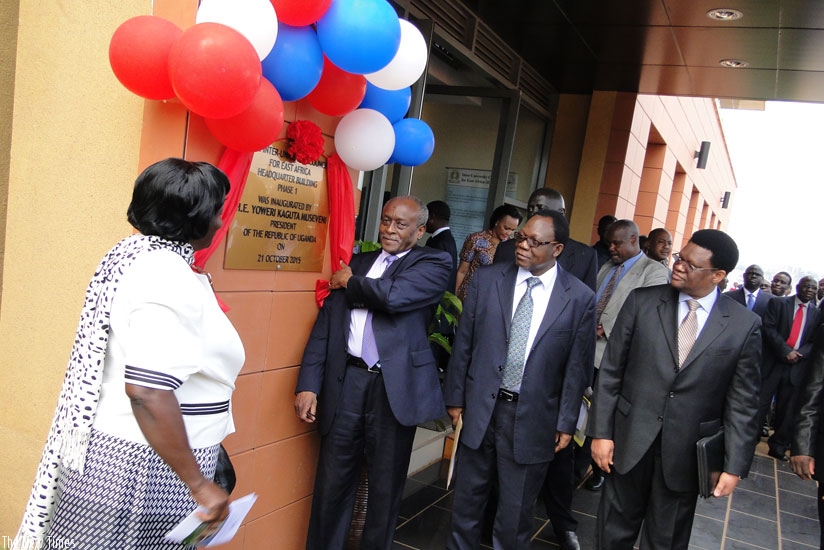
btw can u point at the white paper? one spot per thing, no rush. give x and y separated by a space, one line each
455 441
196 532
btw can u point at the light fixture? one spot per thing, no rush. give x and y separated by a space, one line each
725 200
724 14
703 155
734 63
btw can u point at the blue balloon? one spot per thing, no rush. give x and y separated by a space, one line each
295 63
414 142
393 104
360 36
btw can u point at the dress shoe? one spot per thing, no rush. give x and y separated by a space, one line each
778 456
595 482
568 540
765 431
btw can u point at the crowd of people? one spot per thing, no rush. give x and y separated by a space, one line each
644 335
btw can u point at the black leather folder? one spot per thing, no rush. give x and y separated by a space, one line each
710 451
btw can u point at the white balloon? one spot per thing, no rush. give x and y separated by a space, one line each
254 19
364 139
408 64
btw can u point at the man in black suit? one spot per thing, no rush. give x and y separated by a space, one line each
808 435
781 284
577 258
440 235
369 375
682 362
581 261
521 360
750 294
789 326
602 246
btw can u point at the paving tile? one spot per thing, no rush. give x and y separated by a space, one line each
714 508
706 533
799 529
751 530
792 482
759 484
415 502
426 531
754 504
763 465
792 545
800 505
733 544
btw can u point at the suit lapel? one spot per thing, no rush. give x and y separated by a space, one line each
715 325
558 300
668 317
362 263
506 292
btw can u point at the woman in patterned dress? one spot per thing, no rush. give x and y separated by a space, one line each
479 248
146 398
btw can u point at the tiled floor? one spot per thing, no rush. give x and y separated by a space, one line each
772 509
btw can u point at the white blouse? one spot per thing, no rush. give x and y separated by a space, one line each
168 332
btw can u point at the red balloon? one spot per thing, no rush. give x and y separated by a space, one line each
139 55
338 92
299 13
215 70
256 127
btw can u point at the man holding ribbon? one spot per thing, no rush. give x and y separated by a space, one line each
369 374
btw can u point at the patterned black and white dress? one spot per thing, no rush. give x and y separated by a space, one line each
166 332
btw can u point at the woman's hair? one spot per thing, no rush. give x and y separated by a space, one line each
503 211
177 199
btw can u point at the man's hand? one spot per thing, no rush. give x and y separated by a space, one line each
340 277
726 485
803 465
599 332
793 357
454 414
216 501
306 403
562 440
602 453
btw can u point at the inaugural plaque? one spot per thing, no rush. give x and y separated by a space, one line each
282 217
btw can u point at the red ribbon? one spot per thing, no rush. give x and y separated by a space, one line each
341 220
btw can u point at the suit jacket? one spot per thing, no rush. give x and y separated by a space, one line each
577 258
402 302
808 435
446 242
640 392
761 301
778 322
644 272
558 366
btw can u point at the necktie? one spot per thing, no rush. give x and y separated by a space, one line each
687 332
369 348
607 293
750 301
518 335
795 331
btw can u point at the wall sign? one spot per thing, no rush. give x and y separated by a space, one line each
282 217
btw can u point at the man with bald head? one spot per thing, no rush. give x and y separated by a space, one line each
789 327
750 295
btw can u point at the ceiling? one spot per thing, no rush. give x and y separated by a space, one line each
667 47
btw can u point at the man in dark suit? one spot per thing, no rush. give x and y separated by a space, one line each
577 258
808 435
441 237
581 261
682 362
601 247
750 294
369 374
789 326
521 360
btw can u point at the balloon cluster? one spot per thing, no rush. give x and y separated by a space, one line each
348 58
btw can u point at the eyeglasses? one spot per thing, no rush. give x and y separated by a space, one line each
520 237
678 259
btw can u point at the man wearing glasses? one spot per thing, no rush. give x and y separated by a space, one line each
520 362
682 362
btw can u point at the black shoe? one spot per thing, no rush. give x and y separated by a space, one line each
778 456
568 540
595 481
765 431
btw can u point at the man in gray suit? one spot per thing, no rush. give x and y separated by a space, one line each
682 362
627 269
521 360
